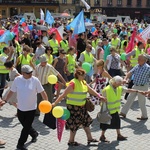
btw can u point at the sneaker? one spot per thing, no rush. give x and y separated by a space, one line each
34 139
21 147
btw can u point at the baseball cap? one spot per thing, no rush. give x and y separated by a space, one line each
26 69
43 58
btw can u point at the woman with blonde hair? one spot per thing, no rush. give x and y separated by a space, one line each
76 94
100 80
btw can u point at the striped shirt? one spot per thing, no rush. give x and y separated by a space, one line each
42 73
141 74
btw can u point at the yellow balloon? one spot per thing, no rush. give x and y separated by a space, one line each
58 111
52 79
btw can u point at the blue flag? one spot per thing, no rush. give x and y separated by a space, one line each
7 36
88 20
49 18
78 24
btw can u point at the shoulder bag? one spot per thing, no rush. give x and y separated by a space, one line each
104 116
89 105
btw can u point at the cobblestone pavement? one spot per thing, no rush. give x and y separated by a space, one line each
138 132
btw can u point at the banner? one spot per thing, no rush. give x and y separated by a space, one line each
60 127
131 42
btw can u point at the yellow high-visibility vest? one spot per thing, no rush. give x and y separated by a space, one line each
3 69
64 45
113 98
79 95
54 45
134 59
71 63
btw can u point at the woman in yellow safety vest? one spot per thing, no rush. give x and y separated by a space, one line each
76 94
25 58
48 54
113 93
70 63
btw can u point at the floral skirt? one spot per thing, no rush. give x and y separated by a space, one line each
78 116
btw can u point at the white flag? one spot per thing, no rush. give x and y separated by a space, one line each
145 34
42 14
85 4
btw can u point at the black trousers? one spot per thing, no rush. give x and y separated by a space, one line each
3 78
26 119
114 72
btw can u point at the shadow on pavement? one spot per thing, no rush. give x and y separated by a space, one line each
137 127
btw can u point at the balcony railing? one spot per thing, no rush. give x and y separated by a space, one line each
30 2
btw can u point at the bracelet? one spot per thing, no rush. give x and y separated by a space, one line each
99 95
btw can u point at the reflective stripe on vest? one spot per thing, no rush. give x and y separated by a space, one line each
88 57
3 69
64 45
54 45
71 63
79 95
113 98
134 60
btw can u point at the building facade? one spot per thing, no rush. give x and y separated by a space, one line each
15 7
134 8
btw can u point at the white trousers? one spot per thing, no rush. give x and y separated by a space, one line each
141 101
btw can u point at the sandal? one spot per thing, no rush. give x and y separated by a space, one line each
103 139
92 141
73 144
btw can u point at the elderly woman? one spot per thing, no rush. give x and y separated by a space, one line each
113 94
76 94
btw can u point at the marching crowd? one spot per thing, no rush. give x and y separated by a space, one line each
26 63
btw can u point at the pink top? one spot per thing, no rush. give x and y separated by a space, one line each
72 41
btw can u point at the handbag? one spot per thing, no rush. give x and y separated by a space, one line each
104 116
49 120
89 105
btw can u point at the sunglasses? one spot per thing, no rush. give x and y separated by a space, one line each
29 72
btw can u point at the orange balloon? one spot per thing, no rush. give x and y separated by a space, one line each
45 106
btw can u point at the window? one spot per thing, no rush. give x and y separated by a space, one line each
109 2
97 2
148 2
129 2
139 3
73 1
119 2
64 1
3 12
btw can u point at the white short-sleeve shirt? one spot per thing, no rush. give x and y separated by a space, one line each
27 90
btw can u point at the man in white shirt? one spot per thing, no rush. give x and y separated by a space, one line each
27 87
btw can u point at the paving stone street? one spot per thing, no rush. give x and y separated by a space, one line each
138 132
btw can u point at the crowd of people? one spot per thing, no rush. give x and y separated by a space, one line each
26 63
